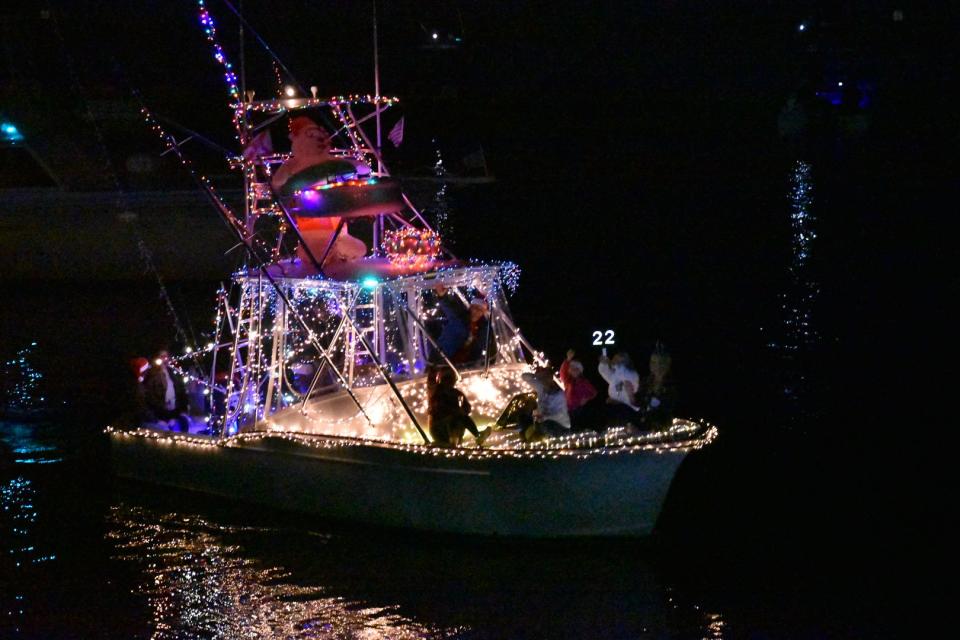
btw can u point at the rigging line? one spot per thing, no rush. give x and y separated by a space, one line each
263 43
200 137
121 204
261 266
276 60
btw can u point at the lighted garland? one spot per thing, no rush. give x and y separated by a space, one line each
284 104
487 391
412 248
322 302
210 29
682 436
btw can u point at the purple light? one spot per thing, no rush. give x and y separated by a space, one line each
309 198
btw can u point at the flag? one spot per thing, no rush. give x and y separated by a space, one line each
261 145
396 134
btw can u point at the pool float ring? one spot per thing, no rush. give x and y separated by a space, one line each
337 188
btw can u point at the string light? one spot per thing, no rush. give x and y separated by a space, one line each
412 248
284 104
209 28
367 333
682 436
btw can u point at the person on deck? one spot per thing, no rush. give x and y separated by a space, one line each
138 408
479 344
455 327
578 390
164 396
550 418
449 410
623 382
658 395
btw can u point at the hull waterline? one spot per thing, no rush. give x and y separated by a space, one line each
488 493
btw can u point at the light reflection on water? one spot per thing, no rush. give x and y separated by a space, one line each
204 578
798 334
29 443
196 568
21 382
18 517
198 584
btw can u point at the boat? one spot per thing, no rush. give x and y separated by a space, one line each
313 388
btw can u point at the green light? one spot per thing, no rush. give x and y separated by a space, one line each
369 283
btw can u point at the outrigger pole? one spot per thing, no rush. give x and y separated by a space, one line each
239 231
378 222
245 235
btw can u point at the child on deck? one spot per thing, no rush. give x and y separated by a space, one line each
578 390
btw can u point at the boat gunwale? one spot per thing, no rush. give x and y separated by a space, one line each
702 435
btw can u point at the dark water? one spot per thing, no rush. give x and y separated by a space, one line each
789 526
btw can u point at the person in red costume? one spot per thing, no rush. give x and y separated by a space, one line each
579 390
310 145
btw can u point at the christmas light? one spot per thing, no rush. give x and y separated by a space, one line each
412 248
681 436
209 28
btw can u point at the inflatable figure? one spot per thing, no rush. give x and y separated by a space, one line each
312 163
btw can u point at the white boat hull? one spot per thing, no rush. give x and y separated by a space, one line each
452 491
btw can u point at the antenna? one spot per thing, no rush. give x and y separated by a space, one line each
376 76
378 222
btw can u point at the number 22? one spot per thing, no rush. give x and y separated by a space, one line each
601 338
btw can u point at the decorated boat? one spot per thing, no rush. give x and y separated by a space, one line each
312 393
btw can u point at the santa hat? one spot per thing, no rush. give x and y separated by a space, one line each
300 124
139 366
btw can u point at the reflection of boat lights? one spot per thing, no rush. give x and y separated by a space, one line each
191 571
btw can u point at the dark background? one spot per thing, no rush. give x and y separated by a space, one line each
643 163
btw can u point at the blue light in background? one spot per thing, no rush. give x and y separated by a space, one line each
10 132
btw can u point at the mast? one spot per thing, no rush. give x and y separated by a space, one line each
378 221
376 78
